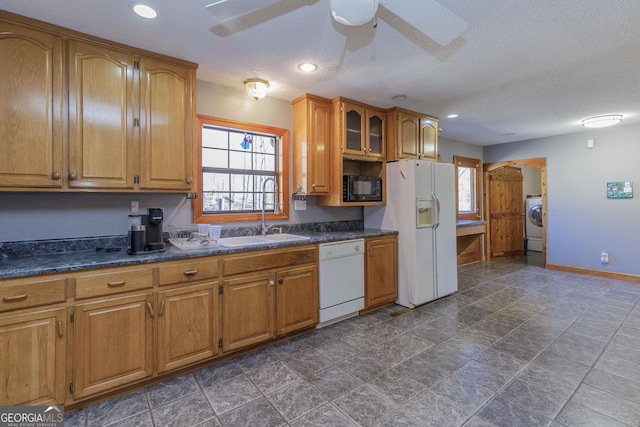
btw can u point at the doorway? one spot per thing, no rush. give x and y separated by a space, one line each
515 236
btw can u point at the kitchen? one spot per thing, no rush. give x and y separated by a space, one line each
26 217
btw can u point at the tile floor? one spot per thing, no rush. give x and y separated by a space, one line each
518 345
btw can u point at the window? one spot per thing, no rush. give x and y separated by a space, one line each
237 162
467 187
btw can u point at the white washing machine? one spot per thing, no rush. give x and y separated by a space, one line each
533 225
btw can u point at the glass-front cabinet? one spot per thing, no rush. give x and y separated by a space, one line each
362 130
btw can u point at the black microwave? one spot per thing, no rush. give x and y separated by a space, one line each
361 188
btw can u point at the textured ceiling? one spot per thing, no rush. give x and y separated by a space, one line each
522 69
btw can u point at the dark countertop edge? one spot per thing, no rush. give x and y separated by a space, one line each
470 222
90 259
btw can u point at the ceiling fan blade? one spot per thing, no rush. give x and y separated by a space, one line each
429 17
224 10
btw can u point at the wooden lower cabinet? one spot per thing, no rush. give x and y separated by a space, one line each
247 310
297 300
32 358
113 343
187 325
381 271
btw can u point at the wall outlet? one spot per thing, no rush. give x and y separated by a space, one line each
604 258
135 206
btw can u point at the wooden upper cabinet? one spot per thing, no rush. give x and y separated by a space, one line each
101 117
362 129
30 108
311 144
166 125
411 135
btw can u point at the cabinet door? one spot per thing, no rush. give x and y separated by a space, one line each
32 355
166 125
429 139
381 272
297 305
187 325
247 311
353 129
318 160
408 136
374 133
101 113
31 108
113 343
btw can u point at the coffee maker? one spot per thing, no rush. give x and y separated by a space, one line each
153 224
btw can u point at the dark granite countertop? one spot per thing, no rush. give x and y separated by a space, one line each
77 260
469 222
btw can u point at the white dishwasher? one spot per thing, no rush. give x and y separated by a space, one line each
341 279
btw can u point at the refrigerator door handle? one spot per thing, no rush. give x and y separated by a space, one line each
436 223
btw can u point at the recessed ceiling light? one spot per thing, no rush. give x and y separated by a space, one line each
602 121
307 67
399 97
143 10
452 116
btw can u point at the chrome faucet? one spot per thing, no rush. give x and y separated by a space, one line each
276 205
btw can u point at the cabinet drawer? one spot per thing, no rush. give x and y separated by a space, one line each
112 282
21 294
187 271
265 260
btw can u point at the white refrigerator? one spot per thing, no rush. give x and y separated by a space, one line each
421 207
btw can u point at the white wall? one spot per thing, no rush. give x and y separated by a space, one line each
581 221
40 216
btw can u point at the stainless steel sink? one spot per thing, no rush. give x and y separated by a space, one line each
240 241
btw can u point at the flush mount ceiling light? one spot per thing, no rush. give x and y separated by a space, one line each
256 88
143 10
452 116
399 97
307 67
602 121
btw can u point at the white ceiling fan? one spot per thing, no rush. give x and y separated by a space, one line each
426 16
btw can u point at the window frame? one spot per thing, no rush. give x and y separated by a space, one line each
471 163
282 135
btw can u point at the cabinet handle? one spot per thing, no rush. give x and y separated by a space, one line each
271 282
16 298
73 176
190 272
150 308
189 180
281 281
59 327
56 175
313 185
357 248
161 311
116 284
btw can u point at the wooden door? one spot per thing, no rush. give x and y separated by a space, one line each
32 356
375 131
353 129
408 135
187 325
31 108
505 212
113 343
381 271
101 117
297 300
247 311
428 138
166 125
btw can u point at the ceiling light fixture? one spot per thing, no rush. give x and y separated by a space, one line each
602 121
350 12
307 67
399 97
452 116
143 10
256 88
